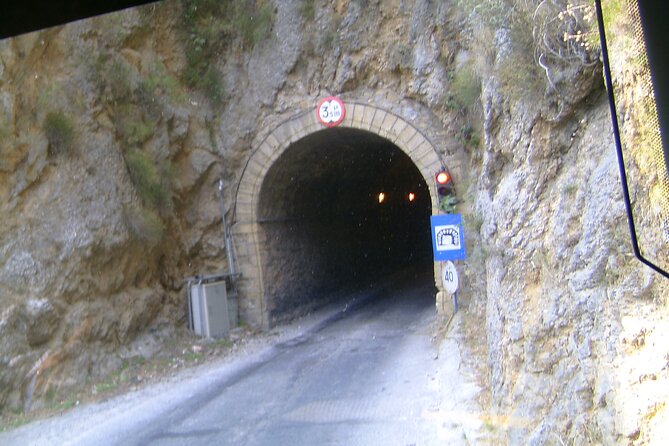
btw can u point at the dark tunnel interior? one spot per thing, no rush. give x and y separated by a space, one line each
325 226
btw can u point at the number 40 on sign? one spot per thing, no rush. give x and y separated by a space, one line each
449 276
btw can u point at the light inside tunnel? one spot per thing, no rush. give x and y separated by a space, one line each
320 230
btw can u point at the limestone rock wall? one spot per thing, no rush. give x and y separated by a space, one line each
564 299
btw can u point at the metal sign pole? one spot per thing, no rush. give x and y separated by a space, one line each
226 234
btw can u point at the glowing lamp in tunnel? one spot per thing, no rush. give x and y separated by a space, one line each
382 197
411 196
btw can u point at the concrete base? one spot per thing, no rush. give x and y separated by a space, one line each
444 304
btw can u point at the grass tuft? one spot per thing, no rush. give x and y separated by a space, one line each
145 224
59 130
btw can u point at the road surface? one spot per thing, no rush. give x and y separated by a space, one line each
367 374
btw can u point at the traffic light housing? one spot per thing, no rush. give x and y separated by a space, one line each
445 193
444 184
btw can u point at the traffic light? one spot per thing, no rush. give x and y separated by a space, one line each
444 185
445 192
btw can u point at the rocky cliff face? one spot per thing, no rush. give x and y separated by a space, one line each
567 311
90 256
111 153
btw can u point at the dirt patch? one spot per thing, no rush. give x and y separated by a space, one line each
184 350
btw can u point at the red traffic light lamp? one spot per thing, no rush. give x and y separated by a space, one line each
444 184
443 178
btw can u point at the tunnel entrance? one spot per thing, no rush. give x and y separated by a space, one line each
307 219
339 209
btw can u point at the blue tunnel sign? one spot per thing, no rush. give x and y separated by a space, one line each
448 237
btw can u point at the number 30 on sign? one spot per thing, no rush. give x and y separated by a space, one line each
331 111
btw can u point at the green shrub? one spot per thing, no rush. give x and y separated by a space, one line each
135 132
448 203
6 165
466 87
136 109
160 80
212 85
134 124
152 182
468 136
196 65
308 10
200 71
256 23
139 131
59 130
521 78
115 75
450 102
209 27
569 189
5 135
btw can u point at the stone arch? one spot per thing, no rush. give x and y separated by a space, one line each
248 238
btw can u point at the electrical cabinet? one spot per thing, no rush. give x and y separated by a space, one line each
208 308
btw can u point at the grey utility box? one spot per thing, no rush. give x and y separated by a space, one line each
208 308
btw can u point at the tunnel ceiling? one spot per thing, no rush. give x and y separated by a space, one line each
337 172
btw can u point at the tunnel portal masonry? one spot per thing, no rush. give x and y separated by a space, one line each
267 205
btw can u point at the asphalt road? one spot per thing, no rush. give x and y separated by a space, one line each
361 375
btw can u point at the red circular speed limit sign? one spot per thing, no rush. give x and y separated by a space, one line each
331 111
